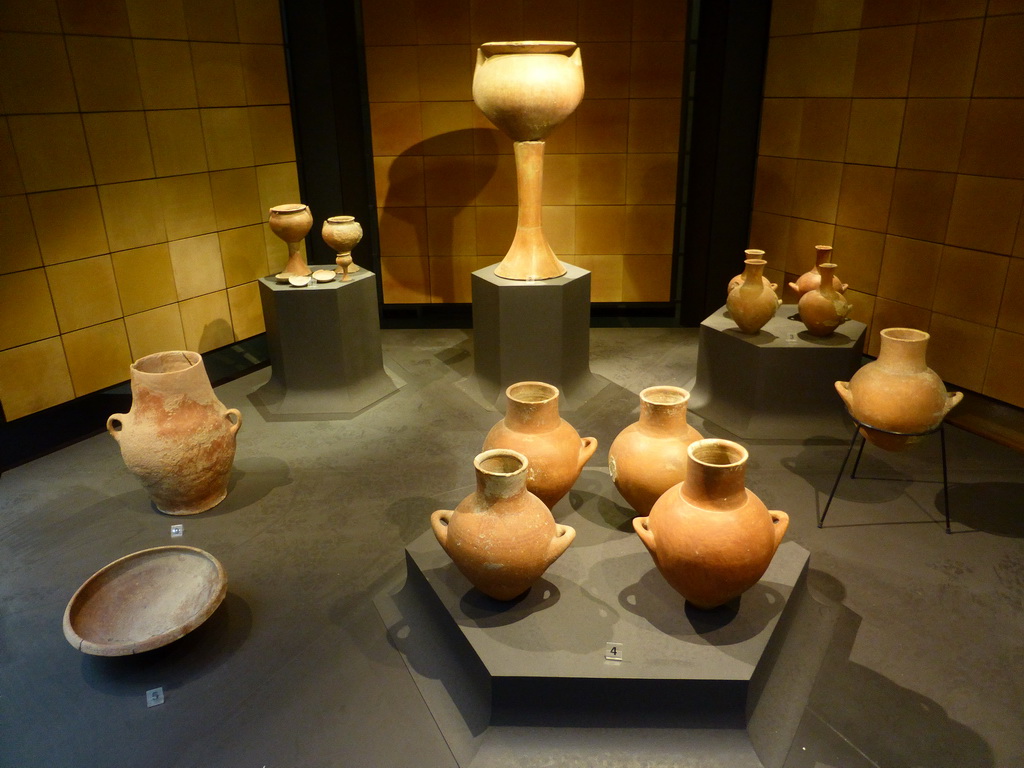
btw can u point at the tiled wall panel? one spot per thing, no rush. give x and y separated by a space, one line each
445 176
141 144
905 154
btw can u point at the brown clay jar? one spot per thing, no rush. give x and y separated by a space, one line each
291 222
533 427
811 279
750 253
898 392
753 302
823 309
501 537
649 456
710 537
178 438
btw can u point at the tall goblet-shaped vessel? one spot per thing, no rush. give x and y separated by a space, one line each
342 234
527 88
292 222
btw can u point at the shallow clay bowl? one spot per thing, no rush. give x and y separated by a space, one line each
144 600
324 275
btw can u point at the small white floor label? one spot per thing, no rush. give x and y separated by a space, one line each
613 651
154 696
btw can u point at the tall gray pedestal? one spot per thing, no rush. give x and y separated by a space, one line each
324 343
777 383
533 331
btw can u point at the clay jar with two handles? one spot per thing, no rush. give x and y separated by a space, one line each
533 427
710 537
898 392
649 457
501 537
753 302
177 438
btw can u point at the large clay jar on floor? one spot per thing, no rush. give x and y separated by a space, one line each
824 309
898 392
178 438
710 537
501 537
811 279
533 427
753 302
649 457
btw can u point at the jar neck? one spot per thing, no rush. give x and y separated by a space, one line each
753 270
532 407
500 474
904 350
822 254
715 474
663 410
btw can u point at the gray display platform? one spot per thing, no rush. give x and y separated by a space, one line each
324 345
532 330
777 383
706 681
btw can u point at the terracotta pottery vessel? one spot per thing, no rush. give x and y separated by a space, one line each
291 223
811 279
533 427
178 438
823 309
342 234
750 253
501 537
144 600
649 457
898 392
753 303
710 537
527 88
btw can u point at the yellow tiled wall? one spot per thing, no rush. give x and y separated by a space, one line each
141 144
445 177
894 131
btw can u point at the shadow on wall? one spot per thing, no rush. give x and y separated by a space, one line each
451 184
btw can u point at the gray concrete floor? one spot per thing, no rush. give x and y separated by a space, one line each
924 667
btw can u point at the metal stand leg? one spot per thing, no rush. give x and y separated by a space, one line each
860 452
842 467
945 478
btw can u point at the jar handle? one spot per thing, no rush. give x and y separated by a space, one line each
115 423
564 535
645 533
952 399
587 448
781 522
439 522
843 388
237 422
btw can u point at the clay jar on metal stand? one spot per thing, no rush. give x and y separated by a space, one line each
649 457
753 302
178 438
898 391
501 537
710 537
533 427
823 308
527 88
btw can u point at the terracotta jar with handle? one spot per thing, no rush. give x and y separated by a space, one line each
811 279
898 392
533 426
753 303
649 456
501 537
737 281
710 537
178 438
823 309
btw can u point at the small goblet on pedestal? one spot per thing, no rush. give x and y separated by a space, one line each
291 222
342 234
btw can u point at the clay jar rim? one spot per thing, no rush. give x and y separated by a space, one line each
340 219
501 462
289 209
528 46
712 452
665 394
532 392
754 253
905 334
755 262
163 363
